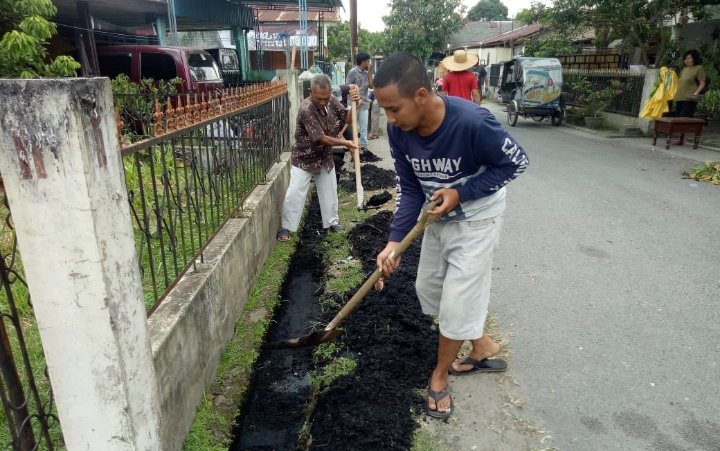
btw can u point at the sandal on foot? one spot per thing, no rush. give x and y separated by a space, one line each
437 396
480 366
372 136
336 228
283 235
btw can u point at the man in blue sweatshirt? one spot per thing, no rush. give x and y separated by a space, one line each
453 151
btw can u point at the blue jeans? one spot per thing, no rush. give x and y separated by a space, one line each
363 125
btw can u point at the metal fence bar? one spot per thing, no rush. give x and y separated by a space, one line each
185 182
25 393
631 84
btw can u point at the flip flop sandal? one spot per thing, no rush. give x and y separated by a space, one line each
437 396
283 235
480 366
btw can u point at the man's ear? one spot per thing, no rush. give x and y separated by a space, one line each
421 96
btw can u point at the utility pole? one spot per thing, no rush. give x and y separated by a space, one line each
353 31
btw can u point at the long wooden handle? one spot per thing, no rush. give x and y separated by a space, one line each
424 221
356 152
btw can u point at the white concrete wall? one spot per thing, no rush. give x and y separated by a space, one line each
61 166
195 321
295 95
122 382
497 54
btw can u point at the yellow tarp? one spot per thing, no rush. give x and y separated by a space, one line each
663 91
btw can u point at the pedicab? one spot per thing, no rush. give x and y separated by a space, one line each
533 87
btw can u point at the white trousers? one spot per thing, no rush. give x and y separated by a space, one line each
454 274
326 185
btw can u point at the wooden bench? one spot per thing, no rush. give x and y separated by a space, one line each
682 125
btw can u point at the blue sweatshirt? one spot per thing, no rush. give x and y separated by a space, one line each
469 152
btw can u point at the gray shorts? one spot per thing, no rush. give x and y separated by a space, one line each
454 274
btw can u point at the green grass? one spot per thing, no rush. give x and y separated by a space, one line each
166 181
214 421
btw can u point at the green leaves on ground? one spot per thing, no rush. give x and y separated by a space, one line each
708 172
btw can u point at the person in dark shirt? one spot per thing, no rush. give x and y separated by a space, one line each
482 79
320 119
449 150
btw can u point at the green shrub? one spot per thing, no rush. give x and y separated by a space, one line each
25 30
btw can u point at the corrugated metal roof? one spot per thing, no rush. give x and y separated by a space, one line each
214 11
474 32
284 4
294 16
515 35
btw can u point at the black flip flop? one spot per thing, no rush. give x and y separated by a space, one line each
437 396
480 366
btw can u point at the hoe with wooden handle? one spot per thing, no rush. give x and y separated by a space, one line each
358 182
331 330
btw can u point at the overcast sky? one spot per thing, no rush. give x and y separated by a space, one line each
370 12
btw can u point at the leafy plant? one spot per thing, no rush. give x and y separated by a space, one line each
708 172
421 26
25 29
136 102
555 44
488 10
594 100
711 103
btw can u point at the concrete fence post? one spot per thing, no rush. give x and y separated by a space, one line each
295 96
62 170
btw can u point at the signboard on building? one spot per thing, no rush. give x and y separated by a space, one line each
273 37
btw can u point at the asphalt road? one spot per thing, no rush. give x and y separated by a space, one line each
608 286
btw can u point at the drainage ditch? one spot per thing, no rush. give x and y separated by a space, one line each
377 405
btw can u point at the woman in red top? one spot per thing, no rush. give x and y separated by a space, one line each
460 82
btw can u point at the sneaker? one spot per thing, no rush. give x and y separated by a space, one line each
364 149
336 228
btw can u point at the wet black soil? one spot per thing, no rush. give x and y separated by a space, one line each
392 342
372 178
394 346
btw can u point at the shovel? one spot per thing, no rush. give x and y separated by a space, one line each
331 330
358 182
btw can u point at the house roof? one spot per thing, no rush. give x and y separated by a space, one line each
294 16
293 4
474 32
191 15
519 34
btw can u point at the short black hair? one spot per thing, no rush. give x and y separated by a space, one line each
360 57
404 70
697 60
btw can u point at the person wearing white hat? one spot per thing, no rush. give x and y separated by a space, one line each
460 82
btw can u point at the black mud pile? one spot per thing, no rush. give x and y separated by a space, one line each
372 177
395 348
368 157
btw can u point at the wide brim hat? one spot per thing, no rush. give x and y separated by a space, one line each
460 60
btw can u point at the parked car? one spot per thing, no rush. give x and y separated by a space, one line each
197 68
229 63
